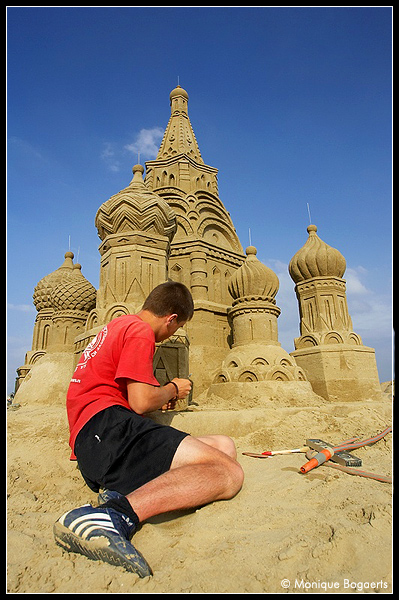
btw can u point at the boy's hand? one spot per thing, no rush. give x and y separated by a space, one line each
184 386
169 405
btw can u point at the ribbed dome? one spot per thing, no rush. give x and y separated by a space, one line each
253 279
316 259
43 290
135 208
74 293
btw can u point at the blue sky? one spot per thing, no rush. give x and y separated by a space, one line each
293 105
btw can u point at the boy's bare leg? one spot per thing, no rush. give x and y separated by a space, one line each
199 473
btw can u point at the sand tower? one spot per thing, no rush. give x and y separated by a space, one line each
205 250
136 227
45 311
256 353
256 356
63 299
336 363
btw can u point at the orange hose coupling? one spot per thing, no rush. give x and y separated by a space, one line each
317 460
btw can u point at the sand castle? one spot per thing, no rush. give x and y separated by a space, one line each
173 225
283 526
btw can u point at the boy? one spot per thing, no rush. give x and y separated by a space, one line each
144 468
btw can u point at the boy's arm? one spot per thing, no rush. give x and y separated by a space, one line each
144 398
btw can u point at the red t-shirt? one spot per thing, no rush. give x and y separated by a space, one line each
123 349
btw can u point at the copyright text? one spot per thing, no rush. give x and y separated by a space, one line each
301 584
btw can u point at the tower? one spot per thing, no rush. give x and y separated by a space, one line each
45 311
336 363
256 354
205 250
179 163
136 227
63 299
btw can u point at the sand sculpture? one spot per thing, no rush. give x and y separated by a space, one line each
63 300
256 354
337 364
173 225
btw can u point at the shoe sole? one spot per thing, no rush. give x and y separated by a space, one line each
99 549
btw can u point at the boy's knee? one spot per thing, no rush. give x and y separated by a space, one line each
223 443
228 462
238 475
236 479
228 446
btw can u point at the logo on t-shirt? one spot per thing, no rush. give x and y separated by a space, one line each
93 348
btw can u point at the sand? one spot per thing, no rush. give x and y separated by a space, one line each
284 532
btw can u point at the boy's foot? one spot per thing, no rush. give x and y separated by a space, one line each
101 534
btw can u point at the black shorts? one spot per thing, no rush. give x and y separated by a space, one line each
120 450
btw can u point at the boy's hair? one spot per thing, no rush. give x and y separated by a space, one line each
170 298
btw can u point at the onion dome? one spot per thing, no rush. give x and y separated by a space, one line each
74 293
136 208
42 292
253 279
316 259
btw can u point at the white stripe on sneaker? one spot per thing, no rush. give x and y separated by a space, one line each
94 525
92 528
62 518
90 517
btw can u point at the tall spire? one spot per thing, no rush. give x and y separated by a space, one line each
179 136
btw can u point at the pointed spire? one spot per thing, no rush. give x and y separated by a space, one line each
179 136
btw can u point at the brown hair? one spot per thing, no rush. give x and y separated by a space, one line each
170 298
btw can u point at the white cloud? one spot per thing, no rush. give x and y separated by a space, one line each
21 307
25 148
108 155
147 142
353 283
371 311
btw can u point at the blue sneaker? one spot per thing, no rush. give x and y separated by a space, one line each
101 534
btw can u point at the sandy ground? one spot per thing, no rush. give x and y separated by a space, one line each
284 532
